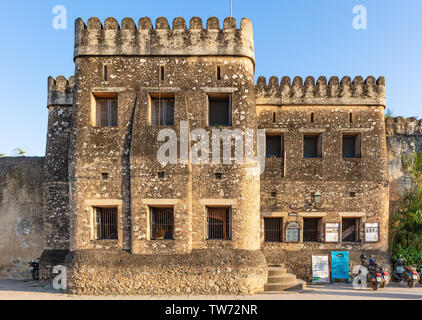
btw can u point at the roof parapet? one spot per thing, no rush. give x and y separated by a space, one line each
335 92
93 39
60 91
403 126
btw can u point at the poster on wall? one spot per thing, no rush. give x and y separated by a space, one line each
320 270
340 265
331 232
371 232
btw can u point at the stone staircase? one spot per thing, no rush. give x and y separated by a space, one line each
280 280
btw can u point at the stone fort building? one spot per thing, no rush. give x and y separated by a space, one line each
124 223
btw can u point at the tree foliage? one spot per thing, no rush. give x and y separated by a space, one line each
406 223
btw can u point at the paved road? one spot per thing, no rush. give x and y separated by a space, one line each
31 290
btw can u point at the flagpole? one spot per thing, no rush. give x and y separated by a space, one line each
231 8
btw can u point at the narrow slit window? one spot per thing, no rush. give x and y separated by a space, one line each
105 73
312 146
162 111
106 113
218 73
220 110
162 223
350 117
104 175
273 229
274 117
106 223
162 73
219 224
312 117
352 145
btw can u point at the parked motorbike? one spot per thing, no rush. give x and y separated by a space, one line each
406 274
384 274
420 275
34 267
412 276
375 276
398 272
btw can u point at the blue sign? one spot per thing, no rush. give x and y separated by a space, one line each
339 265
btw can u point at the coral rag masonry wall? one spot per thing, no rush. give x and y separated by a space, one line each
125 224
21 220
404 136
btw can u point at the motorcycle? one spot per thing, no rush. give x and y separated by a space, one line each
420 275
384 274
34 267
412 277
375 276
406 274
398 273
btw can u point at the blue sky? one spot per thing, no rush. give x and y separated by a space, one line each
292 37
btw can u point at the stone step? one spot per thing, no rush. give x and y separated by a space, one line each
288 277
276 271
289 286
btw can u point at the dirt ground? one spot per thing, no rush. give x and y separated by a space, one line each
34 290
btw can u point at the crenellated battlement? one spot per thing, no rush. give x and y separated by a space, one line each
403 126
60 91
321 92
127 39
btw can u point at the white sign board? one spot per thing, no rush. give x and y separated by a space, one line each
320 269
371 232
331 232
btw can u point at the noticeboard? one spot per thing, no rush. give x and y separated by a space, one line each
339 265
371 232
320 270
331 232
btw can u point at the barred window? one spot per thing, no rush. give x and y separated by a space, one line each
106 223
311 229
219 224
272 229
162 223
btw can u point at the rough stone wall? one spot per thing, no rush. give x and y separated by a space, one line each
128 152
21 220
403 137
100 150
97 150
295 109
56 182
202 272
